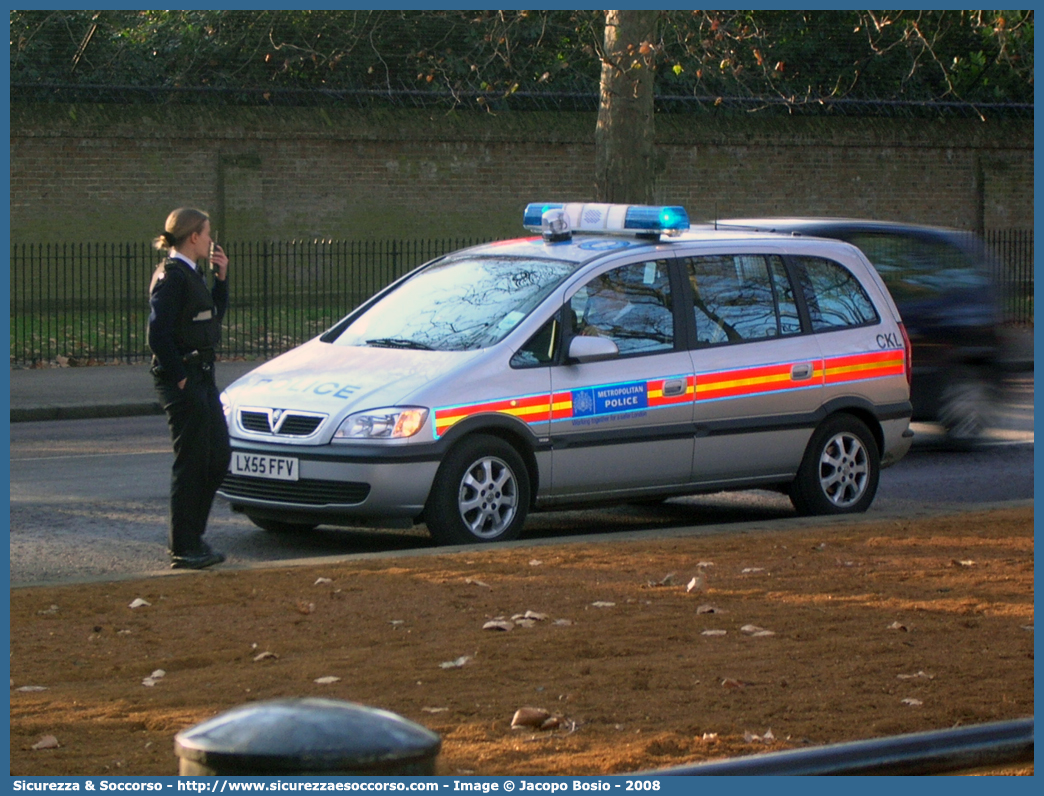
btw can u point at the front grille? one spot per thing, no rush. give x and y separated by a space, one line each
307 491
274 422
299 425
255 421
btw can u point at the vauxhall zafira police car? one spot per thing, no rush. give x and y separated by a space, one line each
617 355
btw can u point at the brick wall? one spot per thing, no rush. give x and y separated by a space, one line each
111 173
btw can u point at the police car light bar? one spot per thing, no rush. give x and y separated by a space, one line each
610 219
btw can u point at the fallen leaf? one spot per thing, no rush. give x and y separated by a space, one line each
498 624
529 717
139 603
31 688
731 683
667 579
320 581
455 664
706 608
913 703
602 604
474 582
966 562
46 742
702 564
159 674
434 710
754 630
525 622
326 680
751 570
551 723
535 563
898 626
52 610
538 617
563 622
714 633
768 737
918 676
396 621
305 607
711 737
696 584
265 656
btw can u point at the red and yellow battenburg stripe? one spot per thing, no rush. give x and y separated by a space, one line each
654 391
779 377
752 381
529 409
541 408
858 367
718 385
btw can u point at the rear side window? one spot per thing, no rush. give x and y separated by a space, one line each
741 297
834 297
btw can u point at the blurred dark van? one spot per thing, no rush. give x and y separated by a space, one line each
941 281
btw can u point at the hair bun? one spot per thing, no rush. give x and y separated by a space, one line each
168 238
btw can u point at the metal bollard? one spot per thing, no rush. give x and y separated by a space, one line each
288 737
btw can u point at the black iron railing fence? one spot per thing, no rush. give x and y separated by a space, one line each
89 302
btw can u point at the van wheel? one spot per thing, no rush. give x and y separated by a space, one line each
278 526
480 493
840 469
966 407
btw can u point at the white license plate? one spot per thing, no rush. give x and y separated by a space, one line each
281 468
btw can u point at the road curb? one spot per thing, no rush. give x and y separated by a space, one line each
38 413
766 526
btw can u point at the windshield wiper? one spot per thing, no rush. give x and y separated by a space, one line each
398 342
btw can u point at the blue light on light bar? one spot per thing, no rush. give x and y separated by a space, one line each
610 219
656 219
531 218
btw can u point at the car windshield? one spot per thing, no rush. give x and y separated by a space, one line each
458 304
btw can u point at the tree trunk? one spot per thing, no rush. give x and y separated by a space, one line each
624 145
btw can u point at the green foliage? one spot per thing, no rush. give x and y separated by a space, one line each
800 56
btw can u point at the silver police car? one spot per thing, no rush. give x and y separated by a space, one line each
616 355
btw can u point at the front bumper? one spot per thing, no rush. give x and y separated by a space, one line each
336 485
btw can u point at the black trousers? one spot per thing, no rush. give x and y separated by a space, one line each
201 454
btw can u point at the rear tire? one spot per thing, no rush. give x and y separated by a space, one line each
480 494
278 526
840 470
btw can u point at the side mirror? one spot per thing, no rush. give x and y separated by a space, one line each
592 349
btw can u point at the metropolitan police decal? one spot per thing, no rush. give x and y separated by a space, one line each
611 399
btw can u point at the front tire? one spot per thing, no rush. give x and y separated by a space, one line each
840 470
480 494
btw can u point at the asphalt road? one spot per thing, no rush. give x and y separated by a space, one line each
89 499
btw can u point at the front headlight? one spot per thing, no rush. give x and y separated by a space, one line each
393 422
226 407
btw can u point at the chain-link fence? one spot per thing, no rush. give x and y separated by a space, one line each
89 302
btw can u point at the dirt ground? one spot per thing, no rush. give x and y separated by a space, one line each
866 629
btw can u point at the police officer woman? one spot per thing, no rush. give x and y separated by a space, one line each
184 327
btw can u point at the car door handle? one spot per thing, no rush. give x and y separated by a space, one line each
673 387
801 372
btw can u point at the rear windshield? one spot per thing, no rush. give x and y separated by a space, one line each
457 304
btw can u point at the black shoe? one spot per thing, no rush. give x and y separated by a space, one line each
201 561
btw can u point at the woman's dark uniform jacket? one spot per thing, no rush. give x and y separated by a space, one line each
184 327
